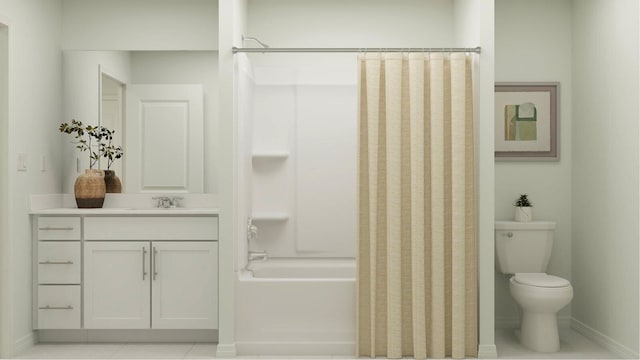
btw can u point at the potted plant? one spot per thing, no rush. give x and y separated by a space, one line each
90 187
111 153
524 207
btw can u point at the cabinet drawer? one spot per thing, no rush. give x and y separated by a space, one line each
58 228
151 228
59 307
58 262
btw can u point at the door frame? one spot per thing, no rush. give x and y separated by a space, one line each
6 145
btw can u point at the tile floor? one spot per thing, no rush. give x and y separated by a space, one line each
573 345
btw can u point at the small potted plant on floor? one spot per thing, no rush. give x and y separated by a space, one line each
524 207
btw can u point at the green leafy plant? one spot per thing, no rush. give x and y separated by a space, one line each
108 150
523 201
97 140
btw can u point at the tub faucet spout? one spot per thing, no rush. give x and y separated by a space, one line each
258 255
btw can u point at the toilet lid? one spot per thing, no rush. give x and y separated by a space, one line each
541 280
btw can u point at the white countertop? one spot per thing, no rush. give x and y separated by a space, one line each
127 211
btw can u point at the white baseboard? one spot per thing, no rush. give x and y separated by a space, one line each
128 336
291 348
226 350
487 351
603 340
24 343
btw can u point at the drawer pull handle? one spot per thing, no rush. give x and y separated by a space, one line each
69 262
49 307
155 262
144 262
68 228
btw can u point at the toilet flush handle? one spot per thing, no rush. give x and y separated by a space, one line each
508 234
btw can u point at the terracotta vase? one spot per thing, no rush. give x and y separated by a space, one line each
90 189
112 181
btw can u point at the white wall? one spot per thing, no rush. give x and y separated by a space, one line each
140 24
543 55
474 26
232 222
605 169
4 181
34 114
187 67
336 23
81 79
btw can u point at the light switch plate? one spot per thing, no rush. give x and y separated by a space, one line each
22 162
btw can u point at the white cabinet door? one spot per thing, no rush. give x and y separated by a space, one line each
116 285
185 285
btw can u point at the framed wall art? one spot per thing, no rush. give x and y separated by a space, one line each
526 125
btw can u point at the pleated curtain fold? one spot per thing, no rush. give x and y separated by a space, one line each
416 283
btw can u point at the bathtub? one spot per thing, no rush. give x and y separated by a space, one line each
297 307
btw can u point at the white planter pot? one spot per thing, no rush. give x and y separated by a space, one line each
524 214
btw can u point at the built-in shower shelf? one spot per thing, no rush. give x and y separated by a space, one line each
270 155
270 216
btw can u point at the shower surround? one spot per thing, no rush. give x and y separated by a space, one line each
298 130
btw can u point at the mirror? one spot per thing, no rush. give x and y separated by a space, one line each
162 105
111 113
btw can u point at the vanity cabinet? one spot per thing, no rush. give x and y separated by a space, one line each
58 270
127 272
183 291
158 285
116 285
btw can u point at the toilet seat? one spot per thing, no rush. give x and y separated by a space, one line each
541 280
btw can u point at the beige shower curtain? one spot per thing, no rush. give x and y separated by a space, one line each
417 291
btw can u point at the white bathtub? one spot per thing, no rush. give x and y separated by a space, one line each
297 307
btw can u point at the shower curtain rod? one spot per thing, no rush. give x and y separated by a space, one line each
350 50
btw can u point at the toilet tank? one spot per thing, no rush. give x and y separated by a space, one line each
523 247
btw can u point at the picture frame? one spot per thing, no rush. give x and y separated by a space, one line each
526 121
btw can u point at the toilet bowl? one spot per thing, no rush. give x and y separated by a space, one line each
540 296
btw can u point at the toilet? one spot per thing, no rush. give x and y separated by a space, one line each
523 250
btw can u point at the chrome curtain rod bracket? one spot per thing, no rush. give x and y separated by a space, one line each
351 50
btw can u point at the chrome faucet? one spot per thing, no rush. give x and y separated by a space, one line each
163 201
174 201
166 202
252 235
